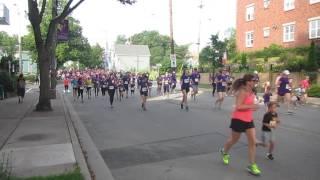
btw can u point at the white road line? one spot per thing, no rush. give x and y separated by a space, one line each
29 90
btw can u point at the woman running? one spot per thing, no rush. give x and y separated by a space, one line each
80 88
242 121
88 84
144 91
111 89
96 85
74 84
185 88
166 86
284 90
221 81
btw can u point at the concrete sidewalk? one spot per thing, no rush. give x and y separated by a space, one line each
39 143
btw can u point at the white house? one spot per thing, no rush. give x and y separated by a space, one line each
131 58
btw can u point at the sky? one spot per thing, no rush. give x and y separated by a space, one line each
103 20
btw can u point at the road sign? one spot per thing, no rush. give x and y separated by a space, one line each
173 60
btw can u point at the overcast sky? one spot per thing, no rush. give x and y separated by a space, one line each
103 20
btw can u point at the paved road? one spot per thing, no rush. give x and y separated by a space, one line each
166 143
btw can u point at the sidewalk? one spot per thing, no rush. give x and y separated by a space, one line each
38 143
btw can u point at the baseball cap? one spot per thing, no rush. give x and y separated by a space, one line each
286 72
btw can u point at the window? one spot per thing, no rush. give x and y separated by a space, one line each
314 1
266 32
266 3
250 12
288 32
288 5
314 27
249 39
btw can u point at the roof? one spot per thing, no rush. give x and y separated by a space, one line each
132 50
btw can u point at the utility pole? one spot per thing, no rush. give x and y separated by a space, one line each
199 33
172 54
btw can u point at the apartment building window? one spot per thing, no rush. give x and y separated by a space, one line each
266 3
288 32
314 1
250 12
266 32
249 39
288 5
314 27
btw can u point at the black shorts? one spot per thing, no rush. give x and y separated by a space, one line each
126 87
238 125
145 93
187 89
221 89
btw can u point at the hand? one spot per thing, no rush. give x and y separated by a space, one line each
255 107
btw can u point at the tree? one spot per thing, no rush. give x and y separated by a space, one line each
7 50
121 39
312 59
45 40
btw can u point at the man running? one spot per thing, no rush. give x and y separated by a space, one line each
144 91
185 88
195 79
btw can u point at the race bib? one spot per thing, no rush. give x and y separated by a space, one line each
111 87
186 81
121 89
144 89
126 82
196 80
81 87
166 82
224 84
104 86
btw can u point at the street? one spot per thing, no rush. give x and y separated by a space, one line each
167 143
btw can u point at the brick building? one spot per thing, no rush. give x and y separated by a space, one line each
288 23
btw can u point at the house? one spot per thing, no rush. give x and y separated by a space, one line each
28 66
289 23
128 57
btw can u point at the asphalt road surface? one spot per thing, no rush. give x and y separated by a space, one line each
167 143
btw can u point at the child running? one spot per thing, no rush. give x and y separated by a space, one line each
270 122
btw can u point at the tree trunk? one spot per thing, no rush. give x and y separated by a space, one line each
44 103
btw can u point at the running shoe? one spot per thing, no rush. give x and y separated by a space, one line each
269 156
225 157
254 169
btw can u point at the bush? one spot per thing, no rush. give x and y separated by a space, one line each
314 91
9 82
31 78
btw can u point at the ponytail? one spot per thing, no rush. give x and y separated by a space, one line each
238 83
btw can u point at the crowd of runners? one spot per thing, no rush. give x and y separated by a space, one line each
244 89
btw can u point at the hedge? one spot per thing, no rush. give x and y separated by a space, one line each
314 91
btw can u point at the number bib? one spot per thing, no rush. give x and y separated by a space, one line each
196 80
126 82
104 86
81 87
186 81
111 87
224 84
144 89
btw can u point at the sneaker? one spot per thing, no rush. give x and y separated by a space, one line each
254 169
225 157
270 156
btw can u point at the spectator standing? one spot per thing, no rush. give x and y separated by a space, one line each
21 88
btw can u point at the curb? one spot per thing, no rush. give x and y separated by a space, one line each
94 162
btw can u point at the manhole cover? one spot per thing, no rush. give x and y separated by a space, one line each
33 137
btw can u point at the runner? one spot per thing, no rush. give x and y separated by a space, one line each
21 88
284 90
195 79
173 81
96 85
149 85
144 90
121 89
80 88
125 80
185 88
212 80
74 84
159 85
221 81
66 85
104 84
132 84
111 89
88 85
305 86
166 85
242 121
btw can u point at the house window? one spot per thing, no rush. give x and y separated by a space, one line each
288 32
314 27
266 32
250 12
288 5
266 3
249 39
314 1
